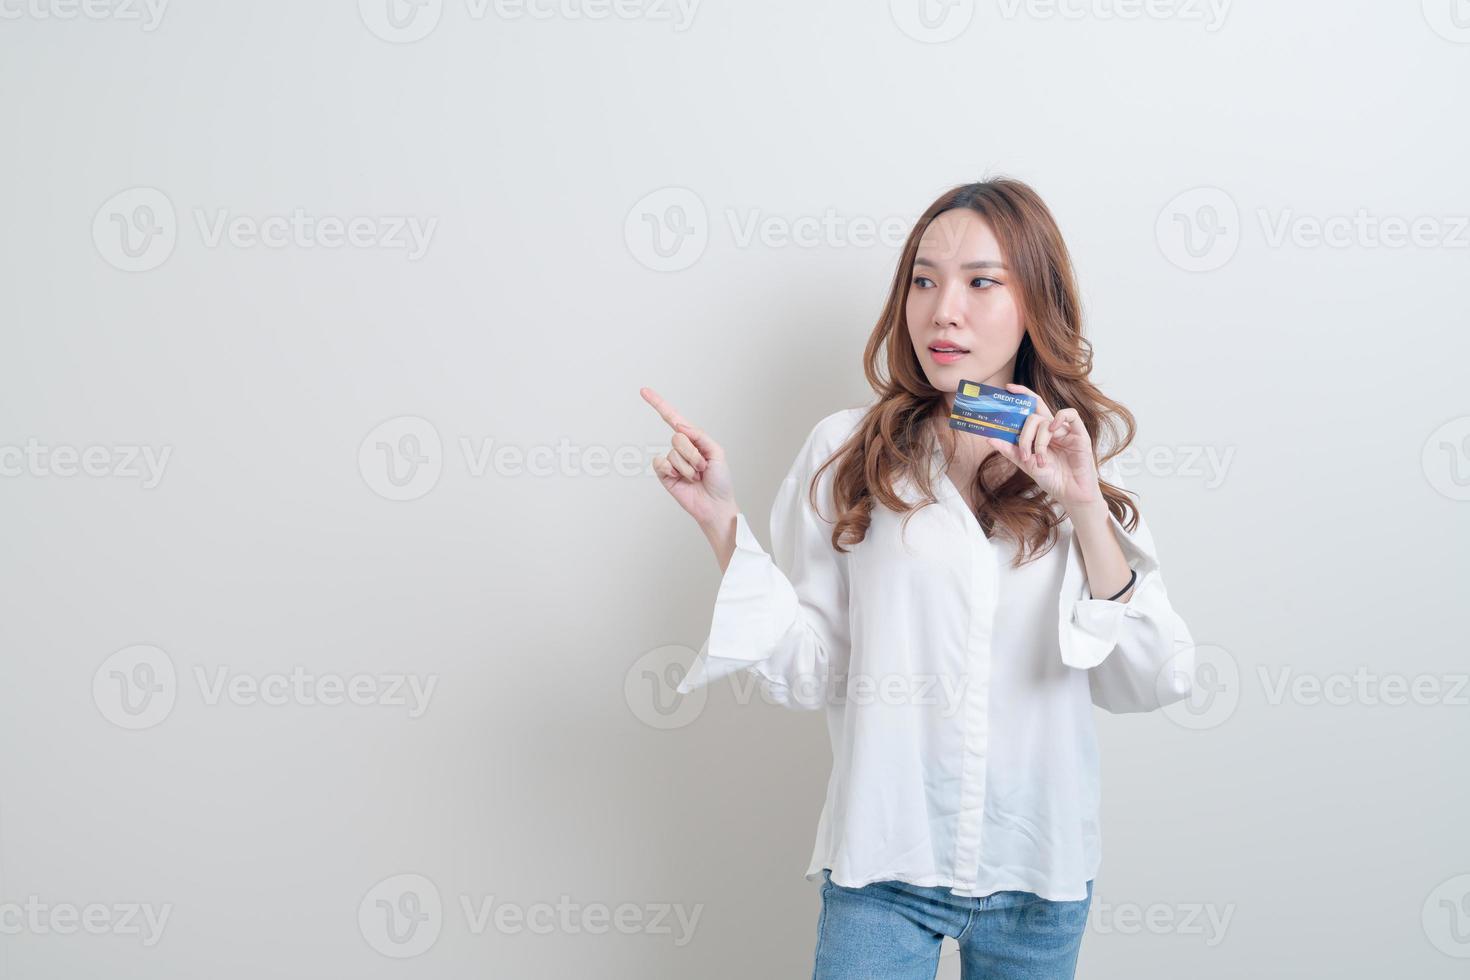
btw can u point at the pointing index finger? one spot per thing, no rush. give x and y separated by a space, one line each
664 409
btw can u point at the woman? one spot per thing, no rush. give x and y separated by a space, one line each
956 602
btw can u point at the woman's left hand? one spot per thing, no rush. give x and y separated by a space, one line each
1056 452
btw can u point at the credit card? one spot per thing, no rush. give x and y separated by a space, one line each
990 411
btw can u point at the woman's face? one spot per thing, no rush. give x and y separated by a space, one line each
960 297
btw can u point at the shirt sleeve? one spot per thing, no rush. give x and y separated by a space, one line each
782 616
1139 654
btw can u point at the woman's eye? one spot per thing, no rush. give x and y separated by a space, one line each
924 282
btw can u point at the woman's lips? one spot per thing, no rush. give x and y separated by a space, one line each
947 357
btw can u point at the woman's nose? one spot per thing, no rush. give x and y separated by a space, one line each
947 310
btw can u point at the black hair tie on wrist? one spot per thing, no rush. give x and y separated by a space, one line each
1132 577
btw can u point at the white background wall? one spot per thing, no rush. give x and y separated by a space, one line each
1325 543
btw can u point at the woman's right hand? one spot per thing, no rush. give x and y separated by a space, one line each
694 472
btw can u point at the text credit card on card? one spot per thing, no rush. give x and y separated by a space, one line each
990 411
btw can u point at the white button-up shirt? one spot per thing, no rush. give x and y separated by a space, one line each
959 691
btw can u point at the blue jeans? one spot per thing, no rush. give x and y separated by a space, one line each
892 930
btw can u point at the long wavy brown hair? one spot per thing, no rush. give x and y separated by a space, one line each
896 436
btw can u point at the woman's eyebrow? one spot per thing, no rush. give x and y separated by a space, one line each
977 264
